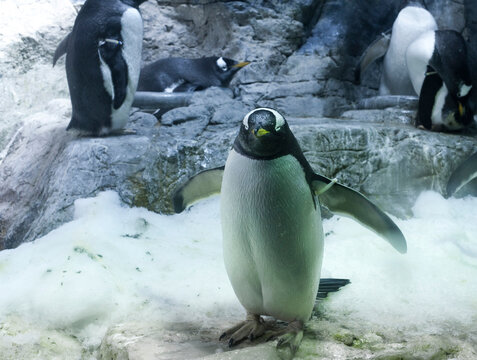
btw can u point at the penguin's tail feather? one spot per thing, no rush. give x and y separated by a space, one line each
328 285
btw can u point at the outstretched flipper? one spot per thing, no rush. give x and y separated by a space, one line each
328 285
345 201
61 49
465 173
374 51
202 185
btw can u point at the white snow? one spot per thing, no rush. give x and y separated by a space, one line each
113 263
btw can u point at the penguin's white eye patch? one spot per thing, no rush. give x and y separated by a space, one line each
279 119
221 64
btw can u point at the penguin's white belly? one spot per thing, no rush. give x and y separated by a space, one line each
408 26
131 34
272 236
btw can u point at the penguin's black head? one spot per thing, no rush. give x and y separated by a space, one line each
225 68
264 134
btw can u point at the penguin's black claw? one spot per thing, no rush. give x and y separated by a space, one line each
224 334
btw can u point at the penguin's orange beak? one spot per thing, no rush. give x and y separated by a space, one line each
241 64
260 132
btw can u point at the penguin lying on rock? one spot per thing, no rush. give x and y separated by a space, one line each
419 59
103 57
271 224
185 75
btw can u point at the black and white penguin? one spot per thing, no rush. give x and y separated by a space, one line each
411 22
438 68
183 75
271 224
103 57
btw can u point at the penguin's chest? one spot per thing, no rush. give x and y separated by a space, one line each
272 236
131 34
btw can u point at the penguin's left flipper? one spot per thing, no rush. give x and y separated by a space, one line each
200 186
110 52
465 173
345 201
61 49
374 51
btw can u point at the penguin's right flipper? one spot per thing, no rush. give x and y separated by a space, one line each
61 49
348 202
202 185
465 173
373 52
328 285
110 52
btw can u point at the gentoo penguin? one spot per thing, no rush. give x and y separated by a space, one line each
410 23
439 72
271 224
464 174
103 55
182 75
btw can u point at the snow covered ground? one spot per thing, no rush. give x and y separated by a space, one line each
113 264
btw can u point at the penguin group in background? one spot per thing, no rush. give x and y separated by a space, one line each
186 75
271 224
419 59
103 57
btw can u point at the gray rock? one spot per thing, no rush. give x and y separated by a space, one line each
46 168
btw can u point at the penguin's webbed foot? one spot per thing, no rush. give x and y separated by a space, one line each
252 328
291 336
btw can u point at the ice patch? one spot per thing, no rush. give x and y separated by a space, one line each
113 263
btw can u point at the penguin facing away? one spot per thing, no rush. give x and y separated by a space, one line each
439 71
103 55
271 224
184 75
411 22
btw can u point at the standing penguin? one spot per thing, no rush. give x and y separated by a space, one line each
411 22
438 68
103 56
183 75
271 224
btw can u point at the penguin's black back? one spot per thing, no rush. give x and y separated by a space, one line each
450 59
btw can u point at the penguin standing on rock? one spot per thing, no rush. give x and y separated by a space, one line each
184 75
103 57
271 224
